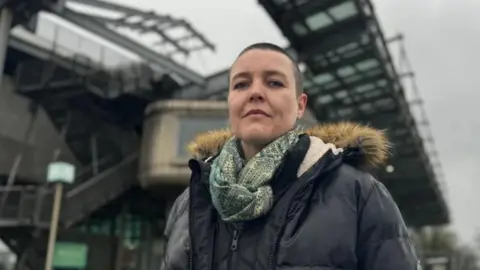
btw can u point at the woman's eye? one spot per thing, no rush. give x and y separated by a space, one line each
240 85
275 84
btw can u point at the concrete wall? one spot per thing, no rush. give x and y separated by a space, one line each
14 122
167 129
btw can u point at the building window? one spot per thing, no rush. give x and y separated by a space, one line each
190 127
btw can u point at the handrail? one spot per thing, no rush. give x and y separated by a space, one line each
101 175
60 42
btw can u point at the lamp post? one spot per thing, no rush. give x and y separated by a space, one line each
58 173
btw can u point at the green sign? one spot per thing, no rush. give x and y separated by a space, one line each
70 255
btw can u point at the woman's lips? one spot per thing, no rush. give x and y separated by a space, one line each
256 113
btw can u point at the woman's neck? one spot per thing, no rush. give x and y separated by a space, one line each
250 150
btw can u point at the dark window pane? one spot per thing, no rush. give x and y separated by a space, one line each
190 127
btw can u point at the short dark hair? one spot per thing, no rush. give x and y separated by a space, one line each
297 74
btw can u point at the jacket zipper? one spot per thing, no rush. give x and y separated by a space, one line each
272 259
237 229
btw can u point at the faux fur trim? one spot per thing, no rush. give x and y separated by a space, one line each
372 144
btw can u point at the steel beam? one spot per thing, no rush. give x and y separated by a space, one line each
215 85
6 19
156 60
27 45
156 23
108 6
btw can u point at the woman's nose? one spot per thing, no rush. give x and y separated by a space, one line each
256 92
257 96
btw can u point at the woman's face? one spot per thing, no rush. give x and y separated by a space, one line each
263 102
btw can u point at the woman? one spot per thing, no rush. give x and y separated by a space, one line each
267 195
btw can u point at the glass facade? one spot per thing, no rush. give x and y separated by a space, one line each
139 239
190 127
132 227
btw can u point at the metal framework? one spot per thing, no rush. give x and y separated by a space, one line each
96 109
164 26
214 88
53 78
12 13
351 76
189 41
89 90
143 22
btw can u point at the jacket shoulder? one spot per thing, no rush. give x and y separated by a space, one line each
177 235
178 210
366 191
351 176
351 182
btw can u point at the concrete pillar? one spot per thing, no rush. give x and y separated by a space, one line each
6 18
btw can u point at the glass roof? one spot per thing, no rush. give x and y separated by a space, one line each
325 18
322 78
367 64
351 85
346 75
299 29
318 21
343 11
346 71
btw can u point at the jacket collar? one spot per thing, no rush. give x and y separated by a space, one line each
367 147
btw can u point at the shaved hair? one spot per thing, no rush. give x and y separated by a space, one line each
297 74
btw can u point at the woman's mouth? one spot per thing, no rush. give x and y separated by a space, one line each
256 112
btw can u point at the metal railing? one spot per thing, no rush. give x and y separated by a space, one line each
112 72
21 206
67 40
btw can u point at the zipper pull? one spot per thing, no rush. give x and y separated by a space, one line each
234 244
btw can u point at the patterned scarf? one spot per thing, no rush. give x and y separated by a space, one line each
242 192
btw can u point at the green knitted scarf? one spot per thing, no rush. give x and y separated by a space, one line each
240 191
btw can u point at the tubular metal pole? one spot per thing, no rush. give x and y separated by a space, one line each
93 143
52 238
6 18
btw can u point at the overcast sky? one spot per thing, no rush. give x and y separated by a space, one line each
442 41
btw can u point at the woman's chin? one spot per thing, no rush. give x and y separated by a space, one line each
257 134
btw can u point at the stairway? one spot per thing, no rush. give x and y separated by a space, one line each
22 205
99 190
82 101
75 94
30 206
27 230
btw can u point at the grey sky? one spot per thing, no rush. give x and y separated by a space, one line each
442 42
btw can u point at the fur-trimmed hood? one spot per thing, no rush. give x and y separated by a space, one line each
372 144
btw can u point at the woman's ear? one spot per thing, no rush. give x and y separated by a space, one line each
302 105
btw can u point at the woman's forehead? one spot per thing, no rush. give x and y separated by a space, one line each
261 61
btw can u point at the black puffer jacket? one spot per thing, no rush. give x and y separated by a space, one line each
333 216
